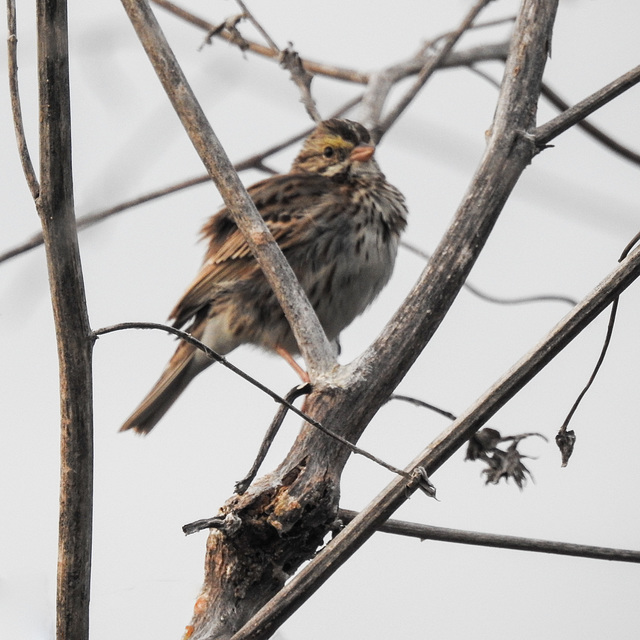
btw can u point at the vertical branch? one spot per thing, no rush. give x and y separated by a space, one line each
16 110
56 211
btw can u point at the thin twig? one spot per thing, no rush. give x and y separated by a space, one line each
90 219
269 436
585 125
455 59
255 161
444 534
428 69
491 298
16 109
258 26
290 60
563 435
550 130
187 337
591 129
423 404
338 73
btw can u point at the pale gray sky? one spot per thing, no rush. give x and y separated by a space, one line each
572 213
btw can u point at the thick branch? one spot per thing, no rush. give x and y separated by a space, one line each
343 546
290 509
55 207
310 337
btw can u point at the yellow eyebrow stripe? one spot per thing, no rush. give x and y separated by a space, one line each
337 141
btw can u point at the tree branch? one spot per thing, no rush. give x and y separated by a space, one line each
591 129
292 508
291 61
284 402
16 109
310 337
427 70
550 130
56 211
498 541
410 67
360 529
549 297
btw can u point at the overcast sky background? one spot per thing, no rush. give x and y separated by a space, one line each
571 214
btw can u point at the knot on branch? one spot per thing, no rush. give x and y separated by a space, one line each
230 27
292 62
260 538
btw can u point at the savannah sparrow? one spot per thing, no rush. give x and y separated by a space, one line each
338 223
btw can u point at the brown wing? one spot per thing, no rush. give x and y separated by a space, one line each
286 204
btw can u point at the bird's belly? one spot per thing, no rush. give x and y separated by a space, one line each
353 285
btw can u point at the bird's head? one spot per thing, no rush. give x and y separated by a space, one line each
337 147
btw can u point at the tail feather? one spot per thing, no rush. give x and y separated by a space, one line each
180 371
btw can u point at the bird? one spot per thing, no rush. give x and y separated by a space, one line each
338 223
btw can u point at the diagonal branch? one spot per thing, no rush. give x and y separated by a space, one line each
360 529
373 377
284 402
550 130
427 71
310 337
595 132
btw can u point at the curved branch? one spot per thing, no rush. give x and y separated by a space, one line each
16 109
187 337
491 298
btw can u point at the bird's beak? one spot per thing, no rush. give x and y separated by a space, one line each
362 153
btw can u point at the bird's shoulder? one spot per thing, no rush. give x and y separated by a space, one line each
286 203
283 201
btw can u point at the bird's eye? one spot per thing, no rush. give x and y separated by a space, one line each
328 152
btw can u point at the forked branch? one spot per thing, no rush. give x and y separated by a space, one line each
296 504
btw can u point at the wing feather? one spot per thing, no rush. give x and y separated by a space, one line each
288 204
